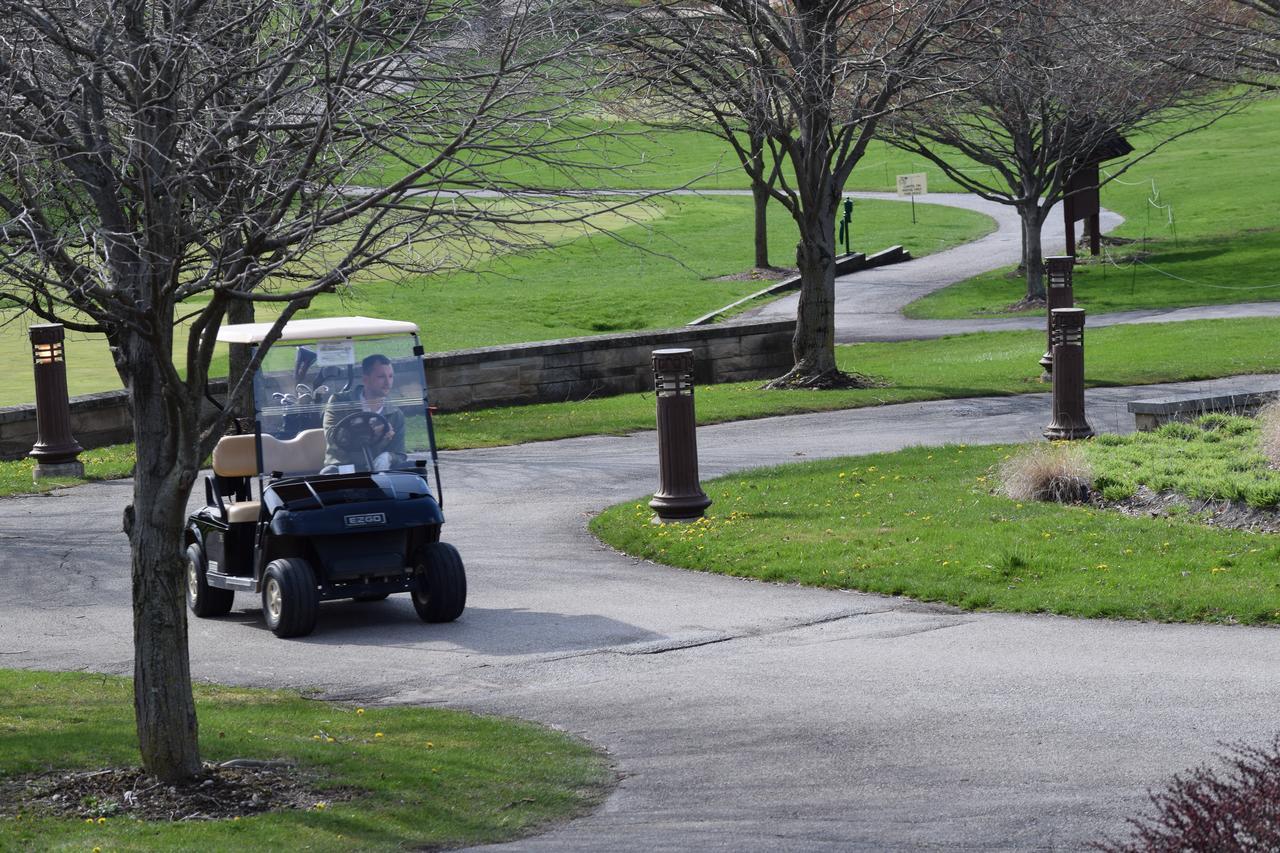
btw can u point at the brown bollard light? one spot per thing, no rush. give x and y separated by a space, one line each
1058 293
1067 336
679 496
55 450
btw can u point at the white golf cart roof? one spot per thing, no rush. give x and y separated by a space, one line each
317 330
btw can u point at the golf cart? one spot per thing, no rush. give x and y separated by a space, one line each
329 497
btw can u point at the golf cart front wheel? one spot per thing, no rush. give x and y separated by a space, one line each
203 599
290 600
440 583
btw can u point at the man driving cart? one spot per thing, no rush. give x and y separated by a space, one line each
361 428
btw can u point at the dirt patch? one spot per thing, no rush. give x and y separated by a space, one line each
1215 513
234 788
832 380
1024 304
759 274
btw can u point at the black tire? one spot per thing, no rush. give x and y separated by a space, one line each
440 583
204 600
381 596
290 600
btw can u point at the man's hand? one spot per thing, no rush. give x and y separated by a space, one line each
382 432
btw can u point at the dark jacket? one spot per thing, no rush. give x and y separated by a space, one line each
341 405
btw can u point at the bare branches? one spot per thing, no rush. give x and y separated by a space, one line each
1056 84
156 152
797 88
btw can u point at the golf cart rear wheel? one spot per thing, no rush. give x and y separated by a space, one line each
290 600
440 583
203 599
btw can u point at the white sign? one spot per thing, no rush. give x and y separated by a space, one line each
335 353
916 184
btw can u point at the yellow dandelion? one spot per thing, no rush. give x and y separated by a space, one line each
102 820
359 712
377 734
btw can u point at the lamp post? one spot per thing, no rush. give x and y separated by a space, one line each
1067 334
1058 293
679 496
55 450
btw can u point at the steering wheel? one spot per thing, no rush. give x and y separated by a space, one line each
357 431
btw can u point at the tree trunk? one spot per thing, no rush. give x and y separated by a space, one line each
163 703
1032 253
760 196
239 356
813 346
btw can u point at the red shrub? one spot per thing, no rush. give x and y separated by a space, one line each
1234 812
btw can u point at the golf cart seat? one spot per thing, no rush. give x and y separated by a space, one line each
235 456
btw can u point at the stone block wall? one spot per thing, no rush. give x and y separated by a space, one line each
576 368
544 372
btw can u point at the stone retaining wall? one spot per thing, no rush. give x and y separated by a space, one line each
577 368
549 371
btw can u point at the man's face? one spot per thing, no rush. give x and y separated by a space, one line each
378 381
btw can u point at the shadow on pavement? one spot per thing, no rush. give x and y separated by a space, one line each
490 631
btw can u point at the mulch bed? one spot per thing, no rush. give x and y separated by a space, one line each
1215 513
759 274
236 788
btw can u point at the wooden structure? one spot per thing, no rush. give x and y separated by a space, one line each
1081 199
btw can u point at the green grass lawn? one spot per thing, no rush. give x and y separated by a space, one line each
986 364
1220 247
589 285
927 523
1216 456
421 778
104 463
629 155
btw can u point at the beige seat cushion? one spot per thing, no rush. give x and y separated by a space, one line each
236 456
243 511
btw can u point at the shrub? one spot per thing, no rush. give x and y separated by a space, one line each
1235 812
1269 432
1047 472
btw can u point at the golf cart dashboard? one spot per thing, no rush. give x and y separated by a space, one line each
318 492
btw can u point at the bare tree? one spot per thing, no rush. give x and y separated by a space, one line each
814 78
696 71
164 161
1060 81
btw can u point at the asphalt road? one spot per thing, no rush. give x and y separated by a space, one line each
740 715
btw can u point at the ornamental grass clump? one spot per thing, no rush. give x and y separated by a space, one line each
1236 811
1047 472
1269 432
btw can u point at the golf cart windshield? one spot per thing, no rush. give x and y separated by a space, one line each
346 404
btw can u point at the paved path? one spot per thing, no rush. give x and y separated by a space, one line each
869 304
740 715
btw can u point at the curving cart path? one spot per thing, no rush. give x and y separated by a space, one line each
869 303
739 715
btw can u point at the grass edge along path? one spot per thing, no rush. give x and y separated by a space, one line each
421 777
986 364
926 523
